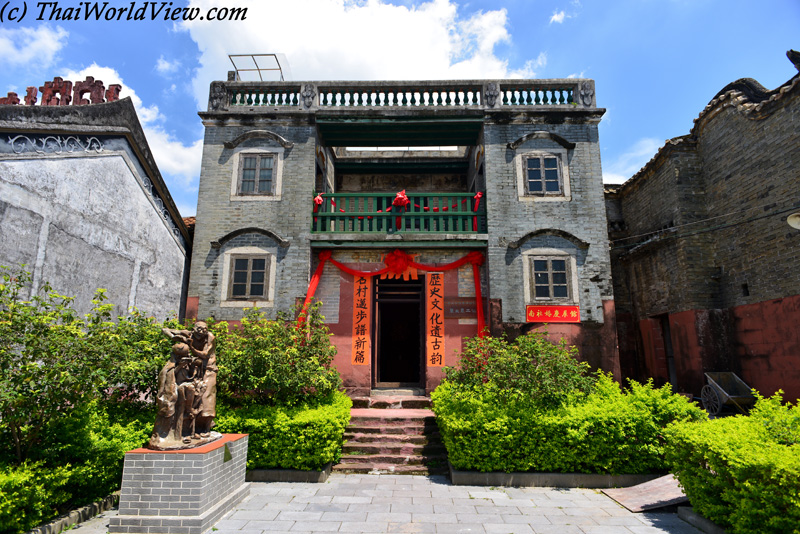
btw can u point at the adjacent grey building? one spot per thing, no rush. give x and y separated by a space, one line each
83 205
447 189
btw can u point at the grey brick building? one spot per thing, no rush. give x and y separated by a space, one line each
456 188
83 204
705 264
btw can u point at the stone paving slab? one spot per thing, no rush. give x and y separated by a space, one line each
416 504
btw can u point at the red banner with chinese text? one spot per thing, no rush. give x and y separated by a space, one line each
553 314
362 319
434 319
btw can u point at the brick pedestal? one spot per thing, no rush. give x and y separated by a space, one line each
181 492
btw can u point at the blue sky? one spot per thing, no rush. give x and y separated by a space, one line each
656 63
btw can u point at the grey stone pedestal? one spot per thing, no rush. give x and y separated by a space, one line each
181 492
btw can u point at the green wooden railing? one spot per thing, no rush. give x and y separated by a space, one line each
435 213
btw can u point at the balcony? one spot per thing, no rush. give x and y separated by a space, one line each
382 213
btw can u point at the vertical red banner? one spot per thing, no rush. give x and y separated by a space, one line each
362 319
434 319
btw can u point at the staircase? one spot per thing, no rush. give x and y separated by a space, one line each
392 433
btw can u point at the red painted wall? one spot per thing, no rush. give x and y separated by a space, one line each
767 345
759 342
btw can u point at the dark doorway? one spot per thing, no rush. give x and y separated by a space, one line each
399 333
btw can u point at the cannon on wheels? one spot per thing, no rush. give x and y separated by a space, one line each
726 389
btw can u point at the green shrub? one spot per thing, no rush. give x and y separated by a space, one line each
78 460
741 472
608 431
30 495
532 369
276 362
304 437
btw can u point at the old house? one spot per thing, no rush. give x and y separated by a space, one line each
82 203
418 213
704 262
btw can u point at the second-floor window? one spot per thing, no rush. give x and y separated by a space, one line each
543 175
256 174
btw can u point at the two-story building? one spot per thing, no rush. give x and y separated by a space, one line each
417 212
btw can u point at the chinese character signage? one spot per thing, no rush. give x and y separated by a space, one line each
553 314
434 319
362 315
460 308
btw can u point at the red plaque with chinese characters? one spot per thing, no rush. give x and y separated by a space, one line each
553 314
362 315
434 319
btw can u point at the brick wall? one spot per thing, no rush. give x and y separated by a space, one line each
582 216
700 234
181 491
289 218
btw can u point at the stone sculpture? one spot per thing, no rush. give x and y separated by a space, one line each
187 391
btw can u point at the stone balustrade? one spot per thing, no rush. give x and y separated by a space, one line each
439 94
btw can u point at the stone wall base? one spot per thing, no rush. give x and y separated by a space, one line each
181 492
546 480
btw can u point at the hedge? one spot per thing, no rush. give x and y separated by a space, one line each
78 462
742 472
607 431
300 437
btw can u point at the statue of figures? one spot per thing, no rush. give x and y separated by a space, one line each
187 391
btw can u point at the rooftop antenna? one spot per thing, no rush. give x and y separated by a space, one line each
262 65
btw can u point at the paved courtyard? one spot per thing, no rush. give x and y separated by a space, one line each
397 503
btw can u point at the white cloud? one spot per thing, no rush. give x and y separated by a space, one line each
175 160
37 46
558 17
631 161
369 40
165 67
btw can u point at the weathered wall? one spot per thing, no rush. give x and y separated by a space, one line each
83 220
392 183
700 234
289 218
581 218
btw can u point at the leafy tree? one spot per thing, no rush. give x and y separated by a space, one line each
47 368
276 362
532 368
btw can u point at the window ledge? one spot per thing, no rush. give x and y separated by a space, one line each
548 198
247 304
255 198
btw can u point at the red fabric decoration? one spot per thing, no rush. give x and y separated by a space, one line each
317 203
397 262
401 201
312 285
478 197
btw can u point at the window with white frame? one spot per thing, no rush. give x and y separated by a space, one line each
257 174
543 175
551 278
249 277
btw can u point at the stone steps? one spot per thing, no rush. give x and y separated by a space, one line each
392 402
374 437
392 434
